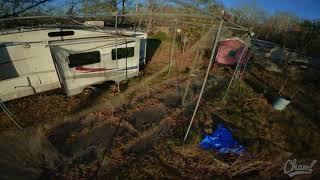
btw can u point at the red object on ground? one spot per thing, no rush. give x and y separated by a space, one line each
87 70
230 51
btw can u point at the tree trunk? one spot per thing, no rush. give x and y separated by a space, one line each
123 10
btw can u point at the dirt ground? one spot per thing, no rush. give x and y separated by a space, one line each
139 132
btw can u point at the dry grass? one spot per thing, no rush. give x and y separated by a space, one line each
270 137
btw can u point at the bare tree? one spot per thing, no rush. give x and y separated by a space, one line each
153 5
249 16
283 21
124 4
71 12
9 8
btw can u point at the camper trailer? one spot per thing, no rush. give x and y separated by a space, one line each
36 60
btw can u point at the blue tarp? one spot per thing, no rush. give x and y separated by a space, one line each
222 141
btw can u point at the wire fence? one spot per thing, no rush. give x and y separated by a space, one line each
203 22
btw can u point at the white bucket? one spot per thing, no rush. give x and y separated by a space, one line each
280 103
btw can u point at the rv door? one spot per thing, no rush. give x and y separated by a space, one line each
125 58
94 60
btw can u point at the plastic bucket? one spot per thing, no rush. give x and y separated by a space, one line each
280 102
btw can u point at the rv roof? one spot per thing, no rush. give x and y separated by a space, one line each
110 30
53 32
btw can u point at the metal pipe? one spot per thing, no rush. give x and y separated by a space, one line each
116 29
170 15
165 15
205 78
192 68
245 66
27 17
126 52
140 19
8 113
282 87
235 71
137 2
172 47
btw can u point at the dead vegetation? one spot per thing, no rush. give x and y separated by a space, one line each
138 133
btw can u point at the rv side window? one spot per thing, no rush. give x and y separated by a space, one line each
122 53
81 59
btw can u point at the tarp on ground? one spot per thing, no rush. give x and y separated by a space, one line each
222 141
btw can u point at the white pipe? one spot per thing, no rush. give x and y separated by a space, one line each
192 69
137 2
235 71
116 29
172 47
205 78
8 113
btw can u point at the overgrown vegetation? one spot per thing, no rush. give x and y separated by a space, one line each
283 28
140 134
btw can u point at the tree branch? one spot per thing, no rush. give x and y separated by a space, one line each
25 9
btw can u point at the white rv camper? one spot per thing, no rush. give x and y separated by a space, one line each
37 60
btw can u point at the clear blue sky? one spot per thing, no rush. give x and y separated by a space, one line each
306 9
